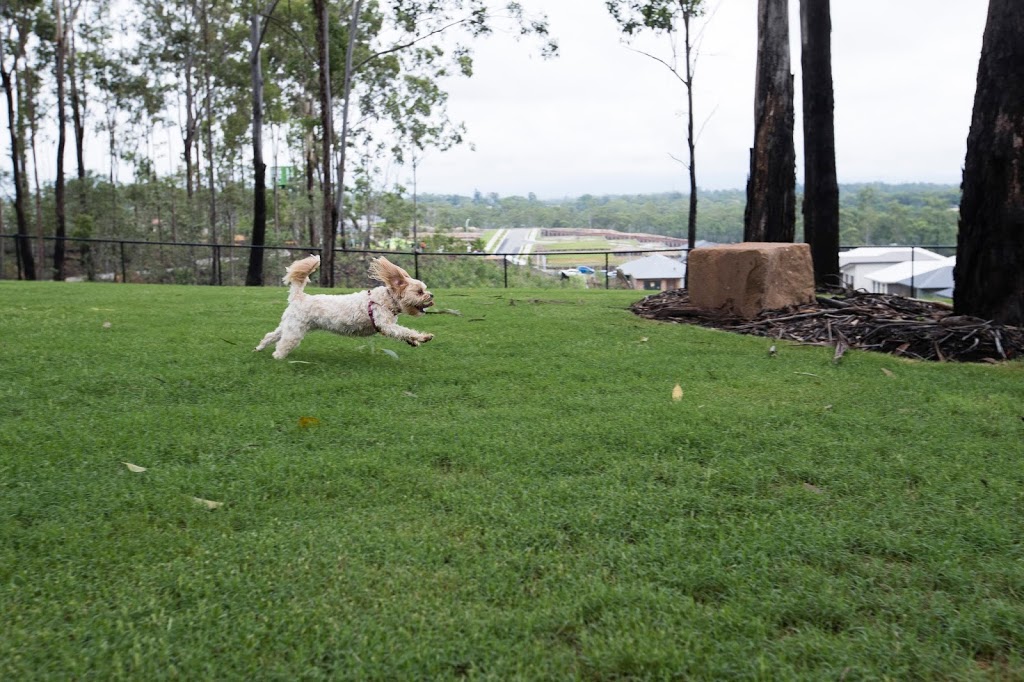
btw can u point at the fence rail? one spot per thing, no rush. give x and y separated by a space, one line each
160 262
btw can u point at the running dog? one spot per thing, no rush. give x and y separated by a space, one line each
363 313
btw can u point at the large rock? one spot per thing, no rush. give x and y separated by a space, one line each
747 278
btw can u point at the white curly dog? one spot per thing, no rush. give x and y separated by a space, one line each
363 313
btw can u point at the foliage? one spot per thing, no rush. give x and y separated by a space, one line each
519 499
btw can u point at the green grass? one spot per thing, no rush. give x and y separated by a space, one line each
520 498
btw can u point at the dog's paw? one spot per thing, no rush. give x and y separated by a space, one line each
418 339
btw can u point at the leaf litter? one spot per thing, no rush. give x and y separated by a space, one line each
905 327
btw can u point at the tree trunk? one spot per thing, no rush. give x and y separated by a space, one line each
78 123
189 136
691 144
989 271
254 275
821 187
60 232
26 263
770 214
353 26
215 270
326 123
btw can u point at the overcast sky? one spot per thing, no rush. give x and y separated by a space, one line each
601 118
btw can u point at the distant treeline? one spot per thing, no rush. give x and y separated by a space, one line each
159 210
870 213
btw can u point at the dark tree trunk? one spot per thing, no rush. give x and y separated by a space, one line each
327 125
691 222
353 25
310 167
254 275
77 106
821 187
26 262
989 271
60 231
771 188
215 271
189 139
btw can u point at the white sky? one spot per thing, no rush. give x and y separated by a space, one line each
603 119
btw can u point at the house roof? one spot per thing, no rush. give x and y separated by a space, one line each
925 274
655 266
887 254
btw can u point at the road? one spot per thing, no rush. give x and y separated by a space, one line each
516 242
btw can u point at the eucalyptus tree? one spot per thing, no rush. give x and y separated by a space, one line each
771 186
665 17
258 25
169 48
18 18
417 42
821 186
989 271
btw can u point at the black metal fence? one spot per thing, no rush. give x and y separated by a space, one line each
140 261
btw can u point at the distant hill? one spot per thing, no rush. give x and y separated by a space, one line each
870 213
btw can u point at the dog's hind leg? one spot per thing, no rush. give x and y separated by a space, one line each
272 337
290 336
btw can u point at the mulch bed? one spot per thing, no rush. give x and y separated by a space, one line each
907 327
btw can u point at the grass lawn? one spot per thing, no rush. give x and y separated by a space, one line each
521 498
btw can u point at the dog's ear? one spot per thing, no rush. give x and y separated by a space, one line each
393 277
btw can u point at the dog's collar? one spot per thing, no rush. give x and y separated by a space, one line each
370 304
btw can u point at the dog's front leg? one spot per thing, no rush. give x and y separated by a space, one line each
410 336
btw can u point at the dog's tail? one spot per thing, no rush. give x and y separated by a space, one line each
297 275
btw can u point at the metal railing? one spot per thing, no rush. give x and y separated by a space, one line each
144 261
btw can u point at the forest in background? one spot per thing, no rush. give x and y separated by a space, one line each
159 210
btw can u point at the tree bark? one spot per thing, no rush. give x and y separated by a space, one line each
254 275
327 125
60 231
26 263
353 26
215 270
821 187
691 223
771 188
989 271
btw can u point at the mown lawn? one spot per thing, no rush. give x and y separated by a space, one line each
521 498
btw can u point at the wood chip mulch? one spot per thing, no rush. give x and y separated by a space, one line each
907 327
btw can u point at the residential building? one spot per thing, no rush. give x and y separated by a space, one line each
857 264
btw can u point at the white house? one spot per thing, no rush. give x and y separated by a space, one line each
915 278
857 264
654 273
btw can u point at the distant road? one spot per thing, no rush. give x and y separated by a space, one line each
516 242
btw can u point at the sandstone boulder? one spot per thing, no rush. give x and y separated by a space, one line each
747 278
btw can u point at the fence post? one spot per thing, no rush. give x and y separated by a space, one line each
124 265
504 262
606 283
416 262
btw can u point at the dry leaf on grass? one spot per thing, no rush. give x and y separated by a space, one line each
106 325
677 393
209 504
306 422
134 467
887 372
813 488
